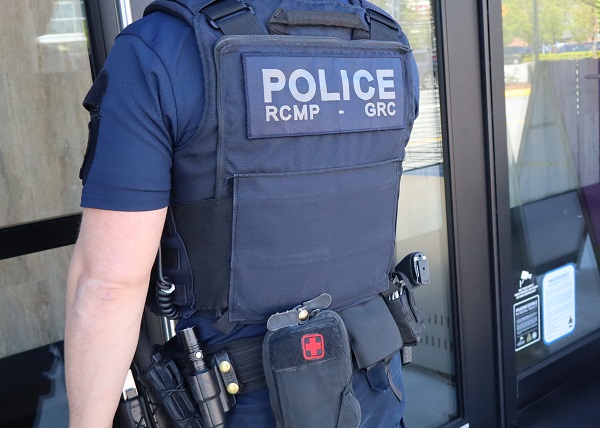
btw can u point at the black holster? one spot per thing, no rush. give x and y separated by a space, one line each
163 386
165 383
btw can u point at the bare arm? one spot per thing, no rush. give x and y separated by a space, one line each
106 290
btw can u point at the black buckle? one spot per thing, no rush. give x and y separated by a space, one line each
372 14
221 10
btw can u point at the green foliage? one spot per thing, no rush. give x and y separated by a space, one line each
552 20
557 21
518 21
584 18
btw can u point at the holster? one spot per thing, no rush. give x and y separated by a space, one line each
133 413
165 383
406 314
308 369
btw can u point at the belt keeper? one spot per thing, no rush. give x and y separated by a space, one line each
227 372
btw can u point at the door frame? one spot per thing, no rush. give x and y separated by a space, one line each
468 101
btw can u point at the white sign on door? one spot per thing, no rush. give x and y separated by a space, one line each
558 303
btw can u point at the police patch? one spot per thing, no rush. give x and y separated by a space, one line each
324 94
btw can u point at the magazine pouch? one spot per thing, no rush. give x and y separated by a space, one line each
308 369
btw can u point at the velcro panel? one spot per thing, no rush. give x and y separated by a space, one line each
307 103
206 229
298 347
310 232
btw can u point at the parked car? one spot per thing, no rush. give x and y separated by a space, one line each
575 47
515 54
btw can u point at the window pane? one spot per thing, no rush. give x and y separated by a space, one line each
430 379
551 73
32 310
44 76
32 300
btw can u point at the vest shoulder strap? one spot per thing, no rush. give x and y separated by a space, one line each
229 16
235 17
382 26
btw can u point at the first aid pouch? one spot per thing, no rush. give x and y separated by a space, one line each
308 369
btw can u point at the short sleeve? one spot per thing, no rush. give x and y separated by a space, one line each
133 122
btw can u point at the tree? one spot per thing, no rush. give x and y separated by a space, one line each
553 21
518 21
583 22
558 20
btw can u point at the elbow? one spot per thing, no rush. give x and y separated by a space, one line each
95 296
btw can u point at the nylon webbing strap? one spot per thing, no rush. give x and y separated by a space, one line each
282 19
382 27
223 325
232 17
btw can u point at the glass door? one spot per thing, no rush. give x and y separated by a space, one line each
430 380
551 74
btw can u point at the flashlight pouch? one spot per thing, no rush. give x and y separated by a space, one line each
308 369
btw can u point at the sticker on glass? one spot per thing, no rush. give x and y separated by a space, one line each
558 291
527 285
527 322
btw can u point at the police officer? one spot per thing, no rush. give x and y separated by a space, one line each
147 137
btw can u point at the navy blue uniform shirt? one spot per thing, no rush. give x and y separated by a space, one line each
150 108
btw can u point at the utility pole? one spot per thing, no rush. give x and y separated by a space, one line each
536 41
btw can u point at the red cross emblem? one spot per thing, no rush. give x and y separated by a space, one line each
313 346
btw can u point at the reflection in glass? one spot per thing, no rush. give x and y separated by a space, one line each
66 28
552 105
32 300
33 392
32 310
430 379
44 76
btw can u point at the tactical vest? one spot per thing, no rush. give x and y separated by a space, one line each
310 105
